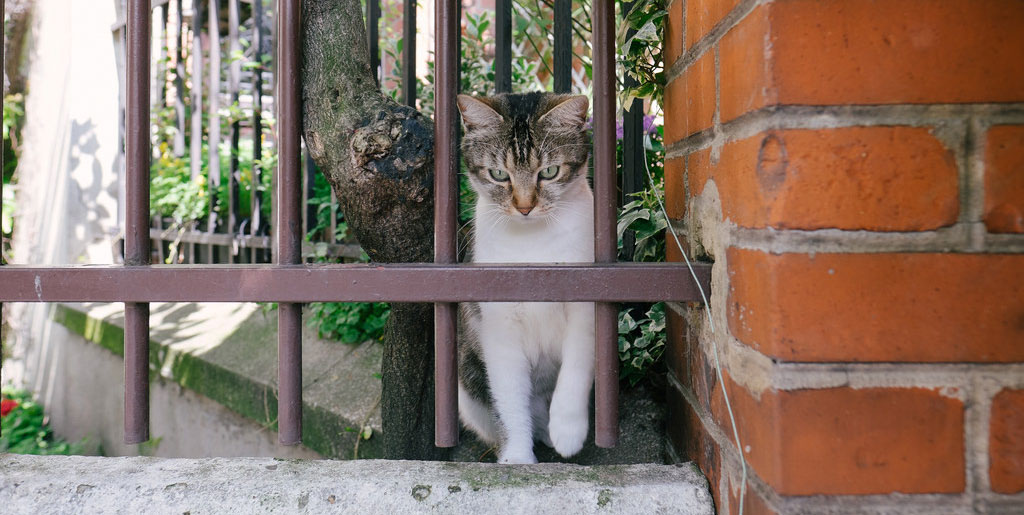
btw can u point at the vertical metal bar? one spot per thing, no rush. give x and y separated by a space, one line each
502 46
179 81
409 53
606 390
446 34
196 142
632 150
3 66
563 46
234 81
213 137
158 222
289 222
157 74
136 238
333 237
256 204
309 181
196 139
373 36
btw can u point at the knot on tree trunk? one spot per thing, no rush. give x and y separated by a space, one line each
394 145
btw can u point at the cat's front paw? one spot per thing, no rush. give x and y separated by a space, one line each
519 458
568 433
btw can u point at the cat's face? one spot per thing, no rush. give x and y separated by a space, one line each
525 152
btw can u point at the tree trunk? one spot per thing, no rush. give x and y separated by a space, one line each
378 157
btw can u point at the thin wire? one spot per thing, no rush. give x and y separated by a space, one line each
711 323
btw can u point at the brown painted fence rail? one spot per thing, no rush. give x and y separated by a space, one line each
426 282
292 284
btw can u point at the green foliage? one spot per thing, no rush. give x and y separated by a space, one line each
640 53
24 430
641 342
14 117
176 194
642 327
349 322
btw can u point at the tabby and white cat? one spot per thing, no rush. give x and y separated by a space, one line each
526 369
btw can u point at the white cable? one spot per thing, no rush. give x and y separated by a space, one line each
711 323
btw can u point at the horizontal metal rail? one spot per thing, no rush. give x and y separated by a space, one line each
244 241
419 282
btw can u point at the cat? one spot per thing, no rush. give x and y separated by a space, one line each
526 368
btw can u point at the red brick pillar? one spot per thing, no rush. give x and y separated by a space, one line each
855 170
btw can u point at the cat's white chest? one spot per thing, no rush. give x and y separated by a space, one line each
569 239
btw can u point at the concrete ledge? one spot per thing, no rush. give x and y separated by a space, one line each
228 353
77 484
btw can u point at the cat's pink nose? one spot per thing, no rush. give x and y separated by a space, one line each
524 210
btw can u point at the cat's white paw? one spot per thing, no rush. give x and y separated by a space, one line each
568 433
520 457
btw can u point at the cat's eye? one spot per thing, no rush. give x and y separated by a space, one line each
498 175
549 173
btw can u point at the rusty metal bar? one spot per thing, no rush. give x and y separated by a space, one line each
503 46
196 138
606 389
3 91
409 52
289 221
234 83
255 204
179 79
354 282
446 197
136 233
213 134
373 36
336 250
562 65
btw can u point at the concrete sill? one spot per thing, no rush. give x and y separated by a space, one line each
77 484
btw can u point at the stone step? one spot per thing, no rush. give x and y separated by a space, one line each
80 484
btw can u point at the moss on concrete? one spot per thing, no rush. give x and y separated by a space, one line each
240 374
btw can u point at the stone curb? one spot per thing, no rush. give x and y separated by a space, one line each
80 484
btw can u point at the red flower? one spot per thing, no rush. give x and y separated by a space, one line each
6 406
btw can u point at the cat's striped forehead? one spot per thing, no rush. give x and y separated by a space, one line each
518 142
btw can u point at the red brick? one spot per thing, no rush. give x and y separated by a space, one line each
745 75
845 441
675 98
856 178
699 94
698 170
674 33
675 190
753 504
692 442
916 307
677 343
823 52
1004 179
1006 442
687 361
703 15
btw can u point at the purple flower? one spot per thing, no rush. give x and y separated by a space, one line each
649 126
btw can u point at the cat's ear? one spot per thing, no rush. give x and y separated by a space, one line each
476 113
569 114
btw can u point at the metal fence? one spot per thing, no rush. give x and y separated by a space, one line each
191 66
291 283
